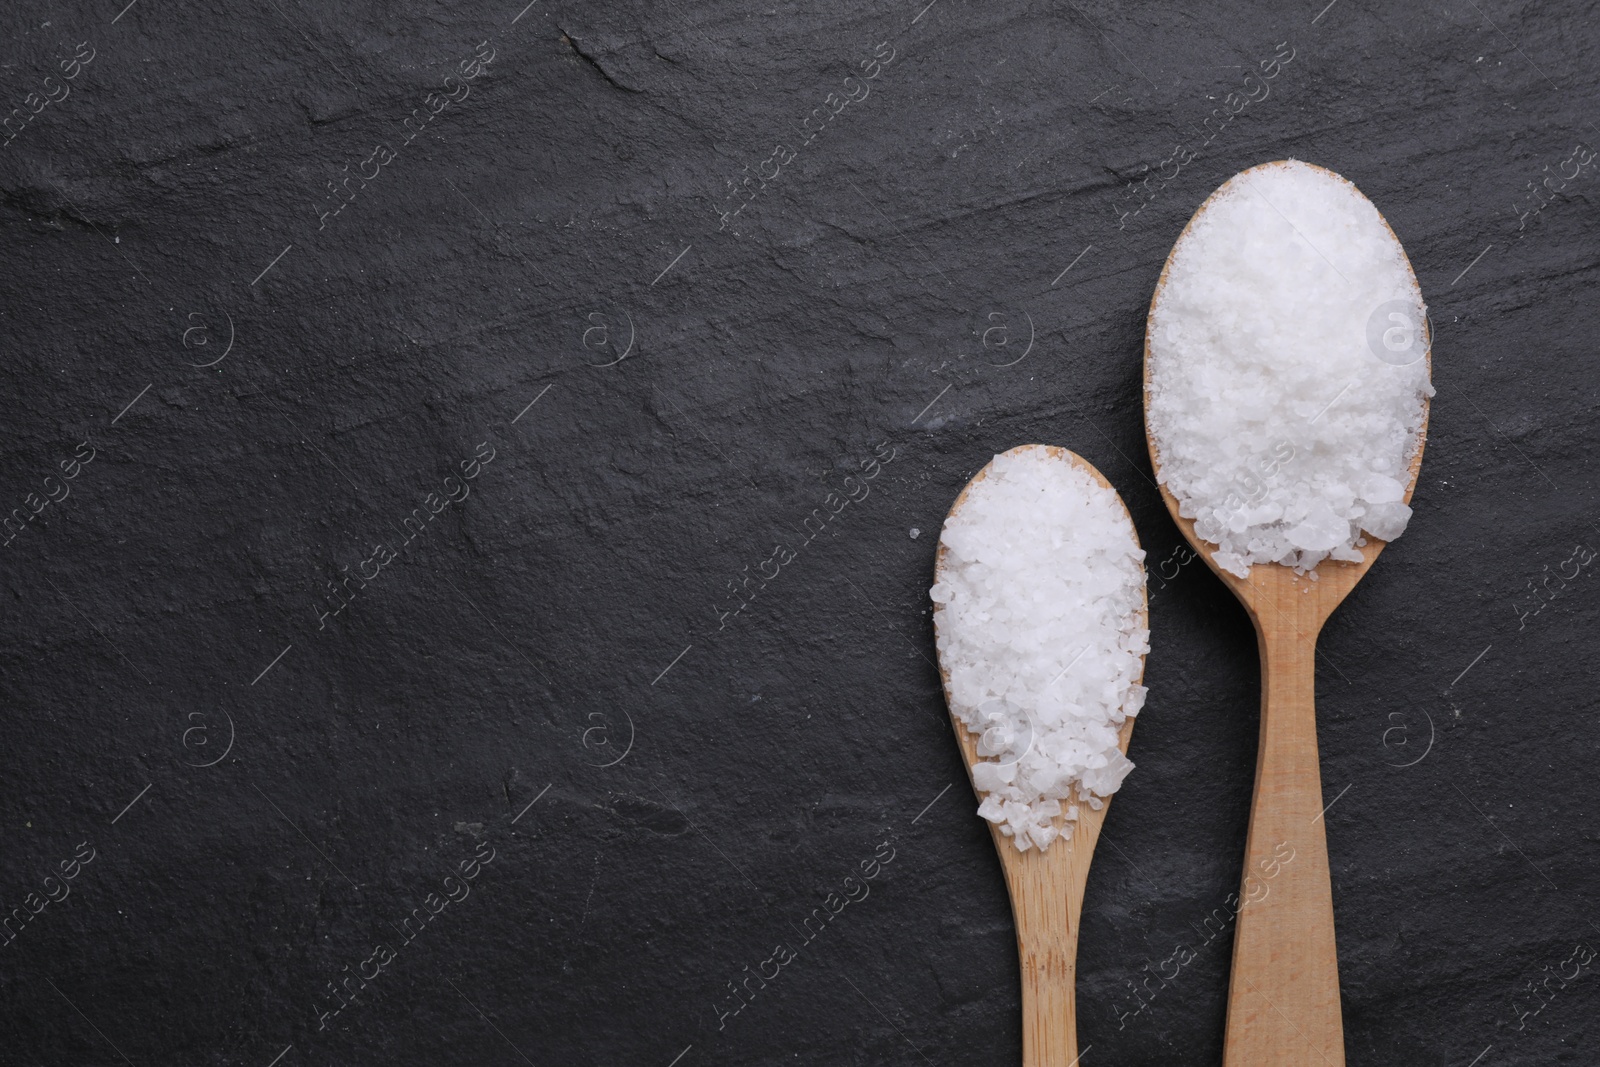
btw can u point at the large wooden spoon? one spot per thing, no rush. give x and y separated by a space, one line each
1283 996
1046 888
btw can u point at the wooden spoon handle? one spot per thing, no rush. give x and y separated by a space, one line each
1047 901
1283 998
1046 912
1049 1009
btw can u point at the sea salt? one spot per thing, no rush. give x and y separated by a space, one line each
1040 624
1288 371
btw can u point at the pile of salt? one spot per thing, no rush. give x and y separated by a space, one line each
1040 624
1287 371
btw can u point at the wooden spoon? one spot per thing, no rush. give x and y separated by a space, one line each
1046 888
1283 996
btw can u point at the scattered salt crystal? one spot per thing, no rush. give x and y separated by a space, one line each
1288 371
1039 624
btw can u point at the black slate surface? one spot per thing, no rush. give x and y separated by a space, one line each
534 692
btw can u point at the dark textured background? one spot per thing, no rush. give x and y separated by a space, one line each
687 821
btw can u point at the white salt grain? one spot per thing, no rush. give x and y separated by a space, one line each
1288 371
1040 626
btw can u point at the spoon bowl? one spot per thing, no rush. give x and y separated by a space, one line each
1283 997
1046 888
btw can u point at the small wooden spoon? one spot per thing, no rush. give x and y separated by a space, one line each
1283 996
1046 888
